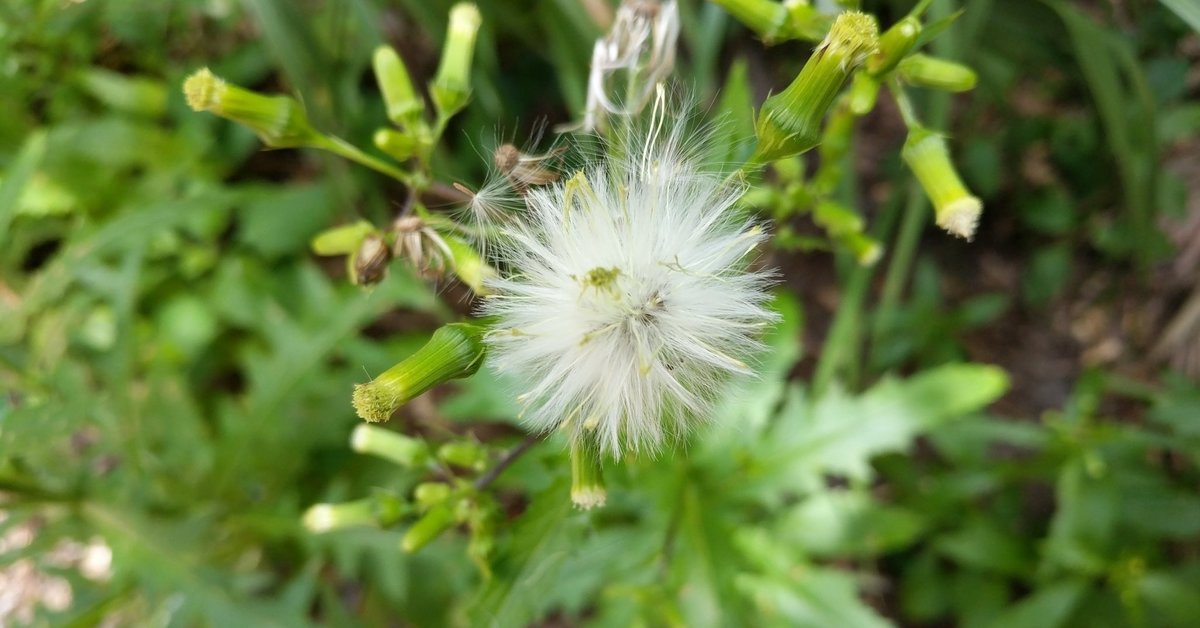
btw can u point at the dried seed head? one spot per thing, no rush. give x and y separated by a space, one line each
637 53
423 247
371 260
506 158
629 298
523 170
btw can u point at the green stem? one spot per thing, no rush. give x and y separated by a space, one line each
916 214
341 147
904 105
843 336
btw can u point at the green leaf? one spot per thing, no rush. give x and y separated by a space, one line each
1049 607
849 524
839 434
982 546
809 597
734 140
1109 64
1187 10
529 564
17 177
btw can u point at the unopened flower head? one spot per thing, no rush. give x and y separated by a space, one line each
637 53
955 209
629 302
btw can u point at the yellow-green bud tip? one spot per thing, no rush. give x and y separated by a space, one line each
855 35
360 437
319 518
373 403
961 217
203 90
465 18
587 498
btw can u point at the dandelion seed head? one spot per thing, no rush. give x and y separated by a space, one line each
629 300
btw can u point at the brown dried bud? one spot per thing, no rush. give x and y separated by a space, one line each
524 170
371 260
421 245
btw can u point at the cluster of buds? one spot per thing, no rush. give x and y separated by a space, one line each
369 251
790 122
432 508
637 53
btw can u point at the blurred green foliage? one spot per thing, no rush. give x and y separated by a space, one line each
175 365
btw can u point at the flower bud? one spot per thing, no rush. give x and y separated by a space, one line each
326 517
468 265
393 446
465 454
926 71
368 265
864 91
400 146
343 239
455 350
452 86
837 219
865 249
775 21
955 208
587 476
381 509
427 528
790 121
279 121
895 43
404 104
430 494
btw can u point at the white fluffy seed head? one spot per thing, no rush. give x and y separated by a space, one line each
628 301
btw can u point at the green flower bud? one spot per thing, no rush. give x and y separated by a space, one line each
468 265
865 249
452 86
398 448
343 239
381 509
894 45
837 219
926 71
455 350
404 104
955 208
279 121
428 528
465 454
774 21
430 494
587 476
400 146
864 91
790 121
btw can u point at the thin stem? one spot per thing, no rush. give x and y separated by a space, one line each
916 214
341 147
506 461
843 334
904 105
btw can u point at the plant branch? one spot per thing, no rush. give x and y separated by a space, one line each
506 461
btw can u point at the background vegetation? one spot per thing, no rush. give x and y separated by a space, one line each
175 365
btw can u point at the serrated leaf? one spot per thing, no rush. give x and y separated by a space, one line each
839 434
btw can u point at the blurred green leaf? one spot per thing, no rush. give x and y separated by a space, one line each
1186 10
